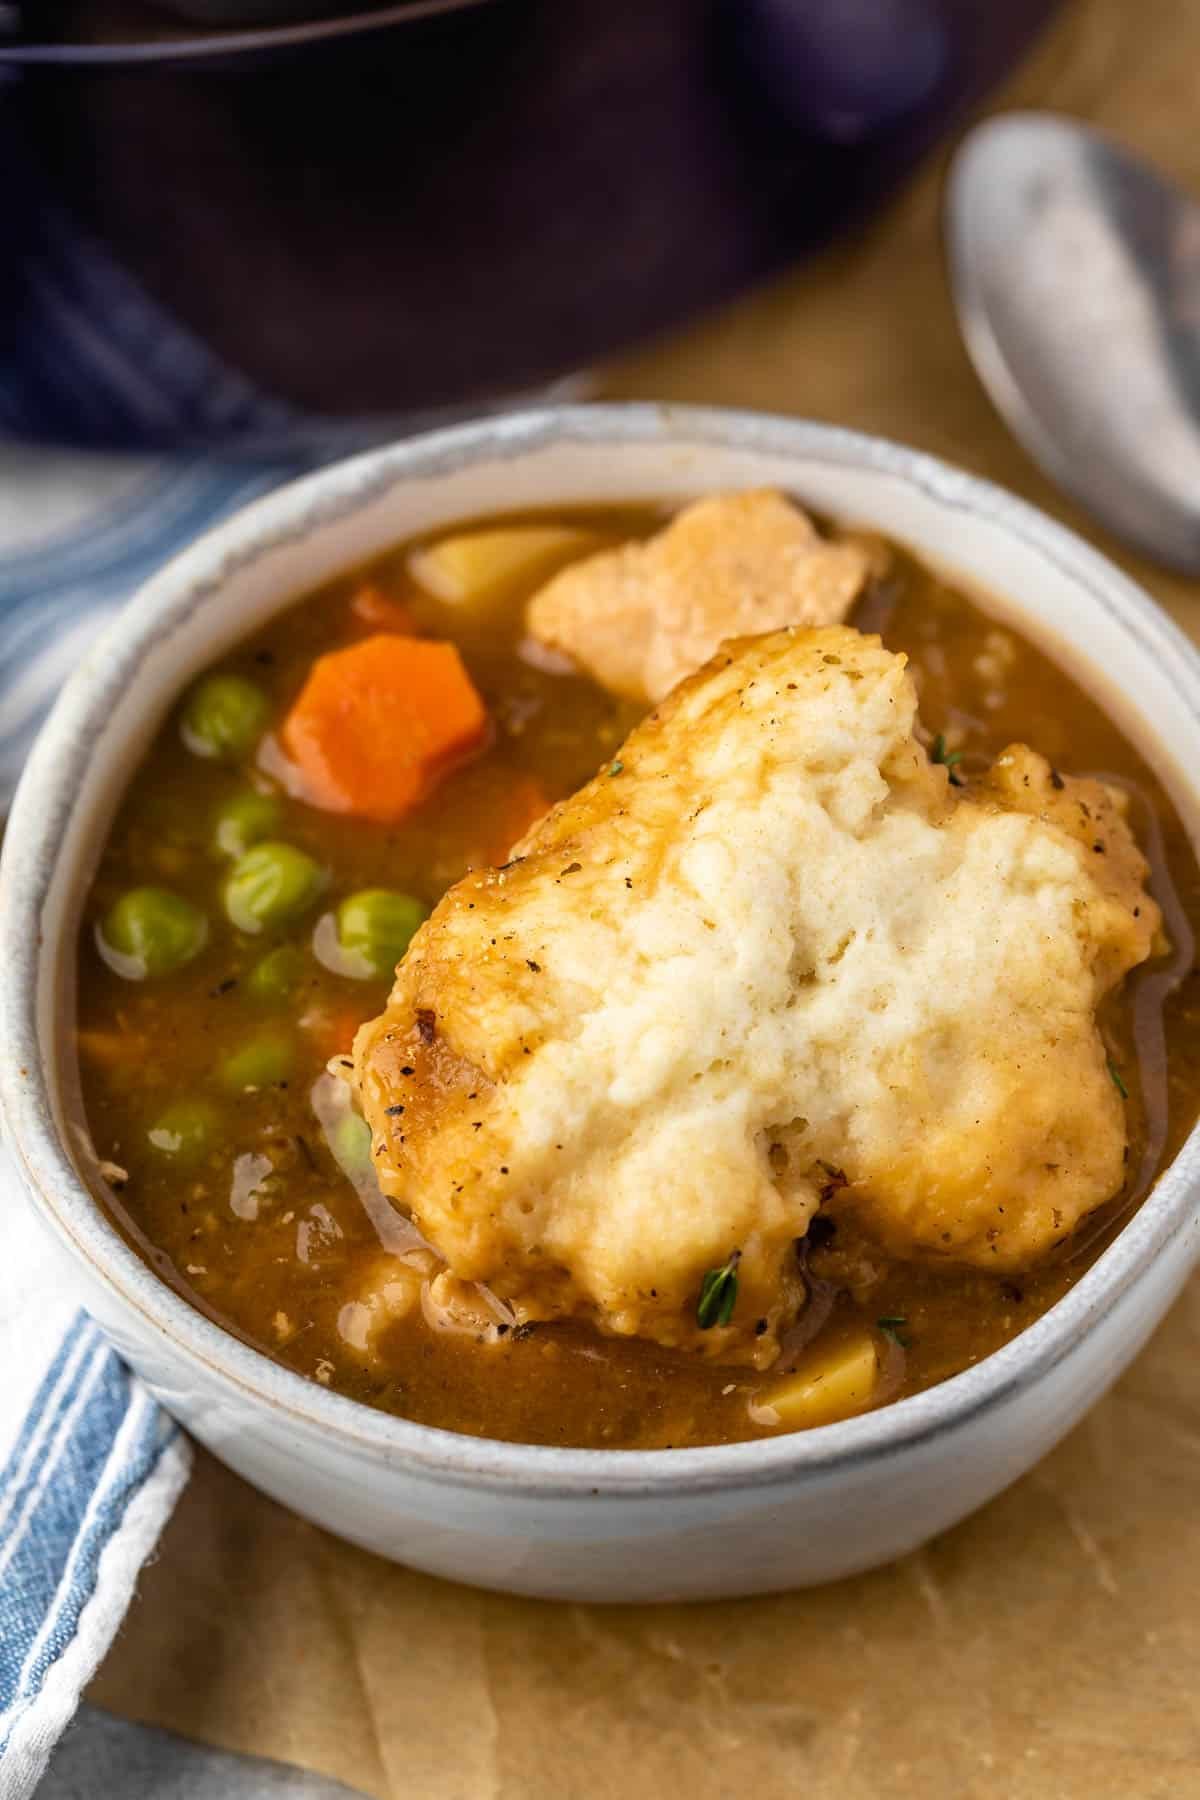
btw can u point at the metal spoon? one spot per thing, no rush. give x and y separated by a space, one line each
1076 274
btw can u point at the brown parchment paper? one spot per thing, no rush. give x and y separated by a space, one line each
1048 1648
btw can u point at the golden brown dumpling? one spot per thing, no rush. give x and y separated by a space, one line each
767 942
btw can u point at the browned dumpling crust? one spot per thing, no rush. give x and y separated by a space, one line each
768 951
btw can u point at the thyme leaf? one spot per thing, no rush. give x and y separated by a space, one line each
718 1294
1117 1081
948 758
894 1327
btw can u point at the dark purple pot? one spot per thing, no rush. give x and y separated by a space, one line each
461 206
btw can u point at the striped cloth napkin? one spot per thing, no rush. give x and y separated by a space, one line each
89 1466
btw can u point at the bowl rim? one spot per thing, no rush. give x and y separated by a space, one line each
44 806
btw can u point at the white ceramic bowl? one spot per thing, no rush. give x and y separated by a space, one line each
579 1524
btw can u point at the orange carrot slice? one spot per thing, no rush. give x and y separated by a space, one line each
369 605
377 725
111 1049
331 1031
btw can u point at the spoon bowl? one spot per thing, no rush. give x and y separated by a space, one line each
1076 274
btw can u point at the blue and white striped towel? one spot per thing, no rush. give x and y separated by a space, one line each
89 1466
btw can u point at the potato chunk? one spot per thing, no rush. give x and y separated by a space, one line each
471 567
834 1384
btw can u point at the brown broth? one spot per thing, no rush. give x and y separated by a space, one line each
281 1279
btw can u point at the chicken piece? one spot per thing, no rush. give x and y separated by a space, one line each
768 950
641 617
390 1288
385 1291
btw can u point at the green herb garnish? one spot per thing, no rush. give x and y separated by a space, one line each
948 758
718 1294
615 768
1116 1078
893 1327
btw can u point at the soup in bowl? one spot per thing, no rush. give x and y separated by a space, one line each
619 988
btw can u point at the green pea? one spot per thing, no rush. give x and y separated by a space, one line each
151 931
278 974
185 1131
223 717
261 1063
377 925
350 1141
271 885
244 820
